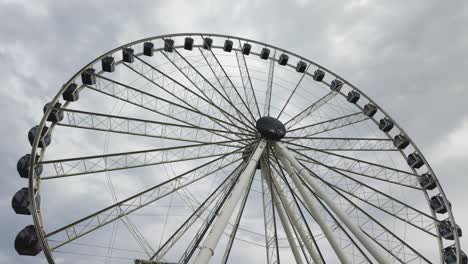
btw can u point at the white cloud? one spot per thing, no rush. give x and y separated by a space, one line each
452 146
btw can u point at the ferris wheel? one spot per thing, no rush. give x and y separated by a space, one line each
198 147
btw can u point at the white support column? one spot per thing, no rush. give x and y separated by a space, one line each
288 230
294 220
284 219
208 247
314 210
357 232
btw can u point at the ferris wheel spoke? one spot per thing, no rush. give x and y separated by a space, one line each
327 125
226 84
361 167
363 175
269 216
300 221
310 109
293 92
139 237
139 127
249 91
135 202
206 88
175 88
154 103
380 200
358 212
126 160
271 73
172 240
346 144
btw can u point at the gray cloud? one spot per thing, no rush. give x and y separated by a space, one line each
410 57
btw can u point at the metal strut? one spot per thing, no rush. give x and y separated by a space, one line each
286 155
208 247
314 210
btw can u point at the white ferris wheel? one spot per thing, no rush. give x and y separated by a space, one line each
197 148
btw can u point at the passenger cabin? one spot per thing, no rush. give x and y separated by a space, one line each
385 124
56 115
88 76
127 55
414 160
168 45
148 49
246 48
437 204
427 181
336 85
23 166
283 59
21 203
265 53
108 64
188 43
228 45
401 141
369 110
71 93
319 75
450 255
353 97
446 230
27 242
45 138
301 66
207 43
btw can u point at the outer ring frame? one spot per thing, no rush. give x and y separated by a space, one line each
35 183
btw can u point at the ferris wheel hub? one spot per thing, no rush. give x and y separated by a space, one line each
270 128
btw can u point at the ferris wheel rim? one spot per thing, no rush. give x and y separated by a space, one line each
37 218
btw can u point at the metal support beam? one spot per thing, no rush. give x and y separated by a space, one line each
208 247
287 227
357 232
313 209
294 221
269 215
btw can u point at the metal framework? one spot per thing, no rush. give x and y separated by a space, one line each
335 185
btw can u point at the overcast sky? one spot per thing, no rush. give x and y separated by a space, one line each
411 57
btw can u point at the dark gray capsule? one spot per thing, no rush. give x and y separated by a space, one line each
108 64
127 55
148 49
168 45
188 43
56 114
27 242
301 66
228 45
71 93
88 77
283 59
246 48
